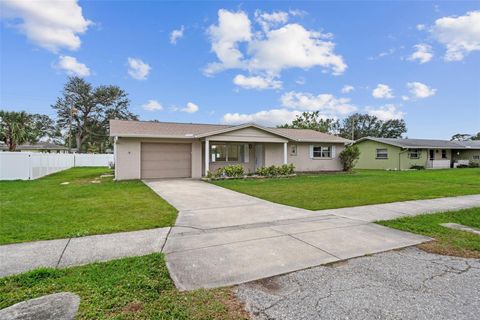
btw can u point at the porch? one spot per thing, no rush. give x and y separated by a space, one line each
251 155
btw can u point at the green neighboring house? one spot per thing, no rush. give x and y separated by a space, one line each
401 154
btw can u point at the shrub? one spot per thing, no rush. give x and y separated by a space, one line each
460 166
274 171
417 167
473 164
234 171
349 157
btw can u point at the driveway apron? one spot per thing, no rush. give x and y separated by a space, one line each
222 237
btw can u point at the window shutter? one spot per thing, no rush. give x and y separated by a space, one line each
334 153
246 153
311 151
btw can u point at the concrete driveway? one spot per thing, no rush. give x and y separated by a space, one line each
223 237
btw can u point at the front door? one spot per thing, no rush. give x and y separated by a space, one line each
258 156
432 154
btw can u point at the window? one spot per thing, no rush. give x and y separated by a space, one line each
382 154
413 154
475 157
232 152
322 152
227 152
444 154
219 152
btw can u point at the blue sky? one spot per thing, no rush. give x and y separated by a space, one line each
259 62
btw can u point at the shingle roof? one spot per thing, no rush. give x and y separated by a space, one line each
471 144
423 143
153 129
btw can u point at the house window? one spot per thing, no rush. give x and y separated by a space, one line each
322 152
413 153
232 152
382 154
227 152
444 154
476 157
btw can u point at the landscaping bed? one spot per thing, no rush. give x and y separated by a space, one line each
78 202
363 187
130 288
447 241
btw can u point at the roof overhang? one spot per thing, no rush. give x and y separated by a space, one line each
242 126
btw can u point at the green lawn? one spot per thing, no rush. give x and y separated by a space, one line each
47 209
131 288
448 241
337 190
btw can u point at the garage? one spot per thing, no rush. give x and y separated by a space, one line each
166 160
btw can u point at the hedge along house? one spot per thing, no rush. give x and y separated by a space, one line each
151 150
401 154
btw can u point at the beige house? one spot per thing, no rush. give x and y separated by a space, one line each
149 149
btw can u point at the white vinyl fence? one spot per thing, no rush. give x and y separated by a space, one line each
31 165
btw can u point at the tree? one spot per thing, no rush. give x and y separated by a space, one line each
461 137
358 125
349 157
85 111
17 128
476 137
312 120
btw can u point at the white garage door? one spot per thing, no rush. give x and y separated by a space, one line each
166 160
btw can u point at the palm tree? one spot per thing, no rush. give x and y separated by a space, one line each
15 128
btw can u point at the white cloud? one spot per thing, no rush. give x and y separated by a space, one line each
326 103
270 50
256 82
271 117
420 90
382 91
387 112
300 81
176 34
423 53
138 69
420 27
190 108
232 28
460 35
72 66
383 54
347 89
293 46
152 105
50 24
268 20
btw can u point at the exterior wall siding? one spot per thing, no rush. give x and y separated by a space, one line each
247 135
303 162
398 158
466 155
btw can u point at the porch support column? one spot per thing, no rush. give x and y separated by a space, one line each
285 150
207 156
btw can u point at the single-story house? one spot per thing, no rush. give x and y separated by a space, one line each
150 149
401 154
45 147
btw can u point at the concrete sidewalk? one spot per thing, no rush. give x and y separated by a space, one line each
223 237
21 257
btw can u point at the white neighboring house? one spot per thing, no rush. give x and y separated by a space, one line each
149 149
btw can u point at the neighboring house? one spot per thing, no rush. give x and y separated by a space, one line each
46 147
401 154
147 149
